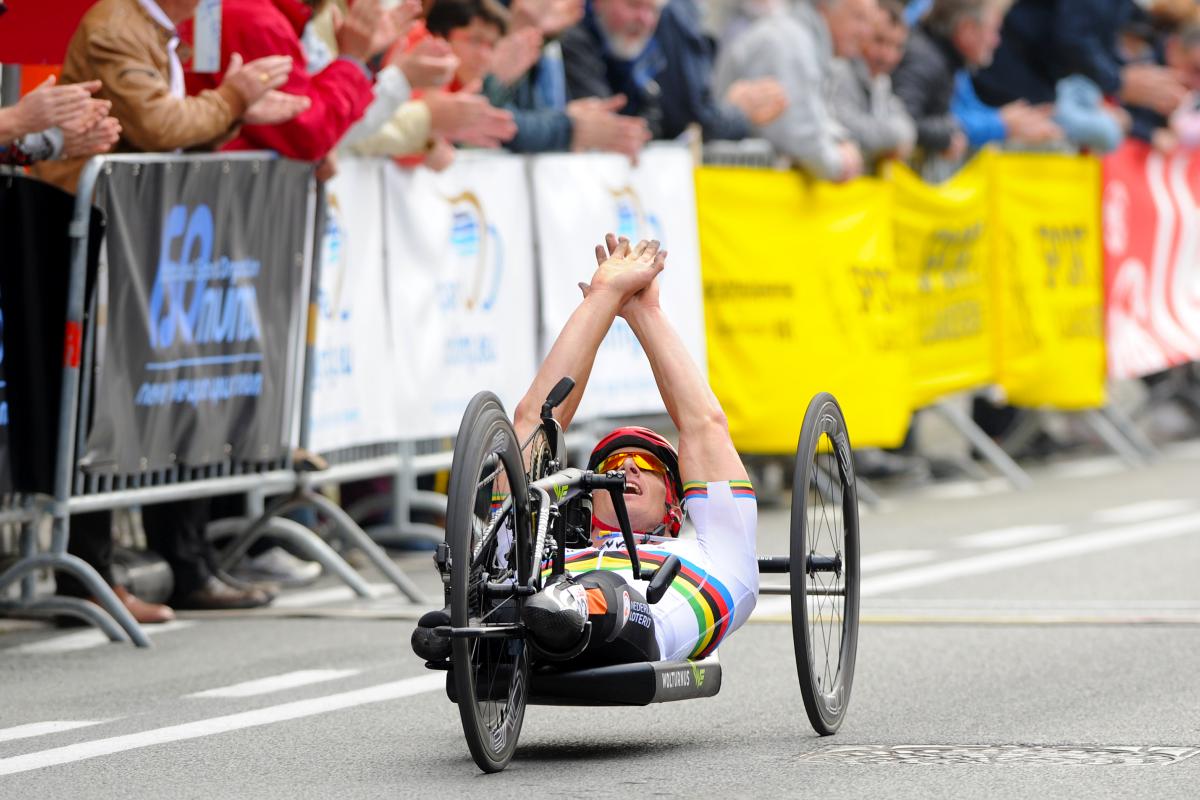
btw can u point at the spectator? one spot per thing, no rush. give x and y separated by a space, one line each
338 94
1180 128
54 122
612 52
396 123
797 46
1016 122
686 80
129 45
1064 52
861 90
470 30
954 35
519 78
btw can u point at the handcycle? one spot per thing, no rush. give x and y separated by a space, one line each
510 520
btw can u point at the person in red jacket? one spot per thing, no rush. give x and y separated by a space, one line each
340 93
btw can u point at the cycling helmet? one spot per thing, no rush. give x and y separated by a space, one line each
660 448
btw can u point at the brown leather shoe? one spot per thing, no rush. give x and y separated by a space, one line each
216 595
145 613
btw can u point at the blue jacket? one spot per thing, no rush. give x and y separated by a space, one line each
686 80
1045 40
980 122
594 71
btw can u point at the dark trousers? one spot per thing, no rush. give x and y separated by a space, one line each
91 539
173 530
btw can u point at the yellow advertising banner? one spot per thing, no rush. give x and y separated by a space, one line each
943 265
1048 279
799 298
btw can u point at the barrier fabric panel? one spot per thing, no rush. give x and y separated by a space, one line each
579 198
800 297
461 288
355 391
5 471
943 270
206 274
1048 281
1152 260
35 268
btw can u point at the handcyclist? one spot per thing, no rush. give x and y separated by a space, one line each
717 585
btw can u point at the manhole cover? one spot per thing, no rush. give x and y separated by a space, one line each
1001 754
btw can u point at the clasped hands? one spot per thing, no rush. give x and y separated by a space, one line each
627 272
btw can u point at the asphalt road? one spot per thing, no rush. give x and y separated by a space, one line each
1014 644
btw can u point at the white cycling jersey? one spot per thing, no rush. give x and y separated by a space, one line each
717 585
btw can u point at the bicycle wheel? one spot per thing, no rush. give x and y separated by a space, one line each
491 675
824 564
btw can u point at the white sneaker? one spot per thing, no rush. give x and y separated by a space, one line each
278 566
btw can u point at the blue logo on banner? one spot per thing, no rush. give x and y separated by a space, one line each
196 299
633 221
201 300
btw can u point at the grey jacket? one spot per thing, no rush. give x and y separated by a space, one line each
794 47
867 109
924 80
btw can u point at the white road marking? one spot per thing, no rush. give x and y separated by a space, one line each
90 638
1032 554
1149 509
233 722
1007 537
336 594
277 683
44 728
893 558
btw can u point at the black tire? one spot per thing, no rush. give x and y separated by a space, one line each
491 676
824 564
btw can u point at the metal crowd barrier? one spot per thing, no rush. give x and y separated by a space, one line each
77 490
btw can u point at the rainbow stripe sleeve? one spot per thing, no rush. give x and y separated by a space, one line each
741 489
694 490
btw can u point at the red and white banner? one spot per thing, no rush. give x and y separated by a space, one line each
1152 260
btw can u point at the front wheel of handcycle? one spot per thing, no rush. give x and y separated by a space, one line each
488 546
824 564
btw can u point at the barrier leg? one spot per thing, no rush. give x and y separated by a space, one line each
88 612
1122 422
352 534
405 498
991 451
402 530
295 534
866 492
95 586
1114 438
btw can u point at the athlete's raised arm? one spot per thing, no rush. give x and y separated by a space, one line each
621 273
706 452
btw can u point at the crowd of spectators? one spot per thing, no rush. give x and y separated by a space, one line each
836 87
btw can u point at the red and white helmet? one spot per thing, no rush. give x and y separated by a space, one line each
658 446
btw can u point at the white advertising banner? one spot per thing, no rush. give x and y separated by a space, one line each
462 287
355 392
579 198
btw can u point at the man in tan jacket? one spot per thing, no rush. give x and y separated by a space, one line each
130 46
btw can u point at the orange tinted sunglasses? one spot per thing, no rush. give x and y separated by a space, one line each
644 462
